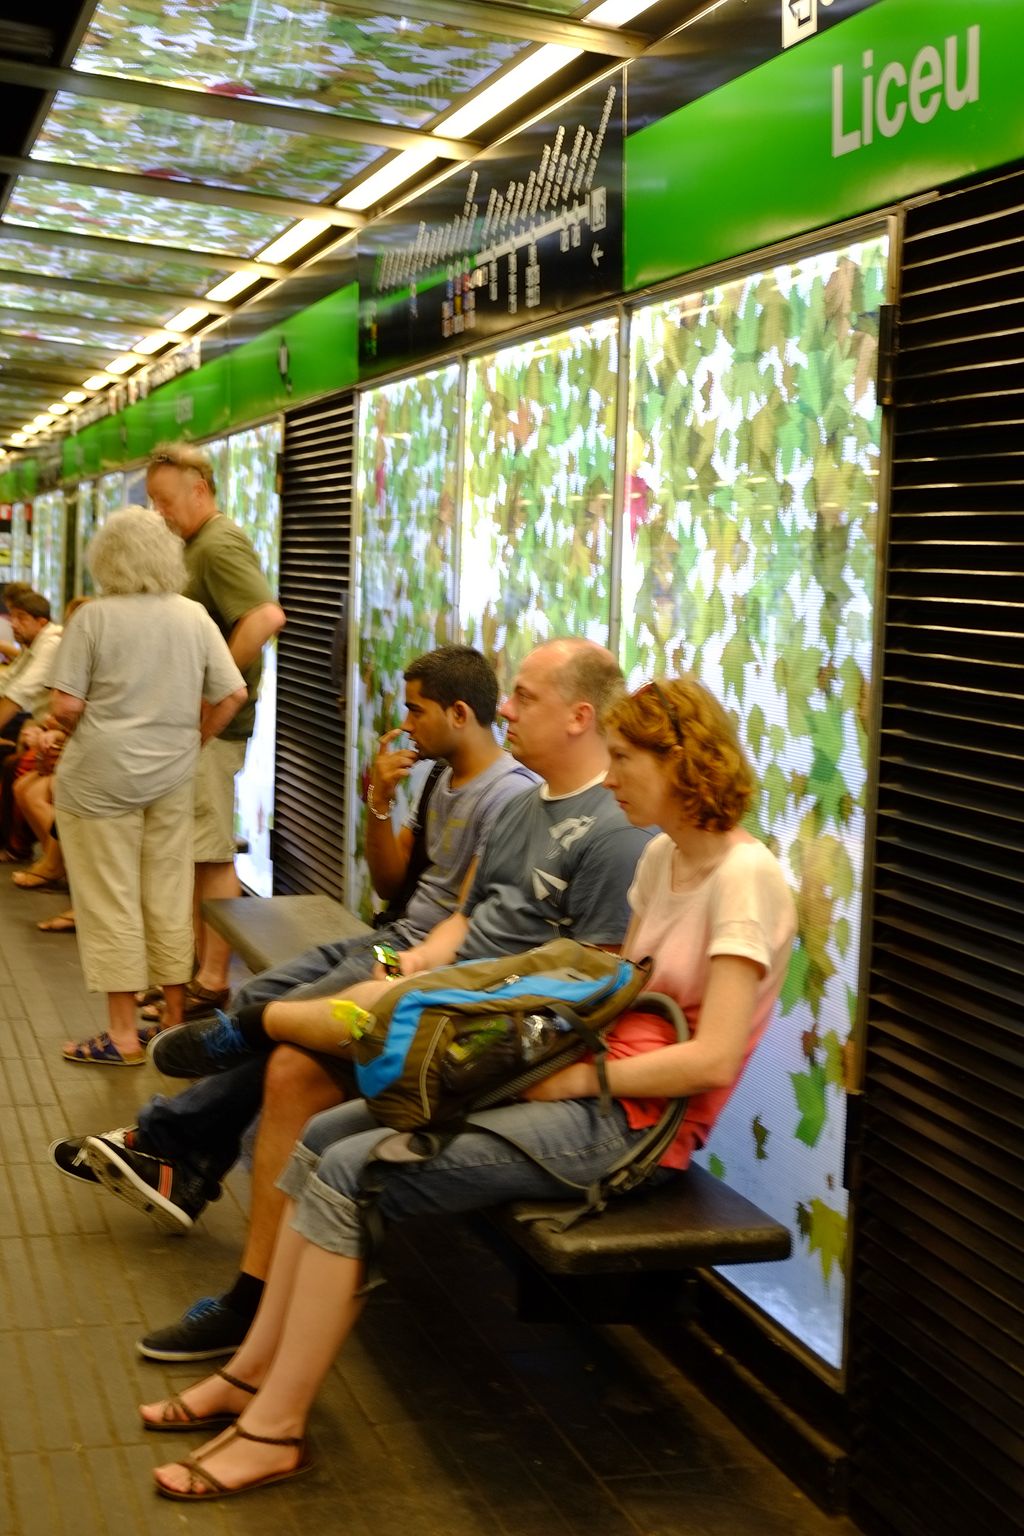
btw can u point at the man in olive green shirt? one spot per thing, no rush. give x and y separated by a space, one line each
224 576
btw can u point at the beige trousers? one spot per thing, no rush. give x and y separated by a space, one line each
131 882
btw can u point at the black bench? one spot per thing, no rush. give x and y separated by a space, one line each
266 931
645 1242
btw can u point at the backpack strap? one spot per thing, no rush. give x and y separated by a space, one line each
419 858
640 1160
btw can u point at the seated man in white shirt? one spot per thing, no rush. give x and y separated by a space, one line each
24 692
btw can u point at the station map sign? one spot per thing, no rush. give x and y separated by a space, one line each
532 228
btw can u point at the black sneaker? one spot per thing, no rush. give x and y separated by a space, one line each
208 1329
199 1049
70 1157
162 1190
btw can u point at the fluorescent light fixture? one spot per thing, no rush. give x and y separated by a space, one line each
292 240
57 409
123 363
17 438
41 421
232 286
390 176
98 381
533 71
187 318
154 341
75 396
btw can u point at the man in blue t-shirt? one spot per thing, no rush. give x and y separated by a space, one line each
559 860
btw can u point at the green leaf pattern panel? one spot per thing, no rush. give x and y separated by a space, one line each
245 473
750 544
85 527
305 54
21 541
539 482
131 216
407 492
48 549
109 495
150 141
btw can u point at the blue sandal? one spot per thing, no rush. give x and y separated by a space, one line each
102 1052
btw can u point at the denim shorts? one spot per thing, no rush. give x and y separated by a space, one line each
324 1177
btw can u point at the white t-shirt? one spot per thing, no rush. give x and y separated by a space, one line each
741 907
143 663
27 680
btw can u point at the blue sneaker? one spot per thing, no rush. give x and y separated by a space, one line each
199 1049
209 1328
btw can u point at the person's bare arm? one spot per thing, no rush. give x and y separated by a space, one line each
387 851
216 716
66 709
252 632
440 946
712 1059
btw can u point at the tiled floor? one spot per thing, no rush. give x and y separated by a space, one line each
446 1416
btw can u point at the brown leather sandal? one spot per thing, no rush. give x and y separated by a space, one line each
211 1487
190 1420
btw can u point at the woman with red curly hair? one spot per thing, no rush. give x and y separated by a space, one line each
711 907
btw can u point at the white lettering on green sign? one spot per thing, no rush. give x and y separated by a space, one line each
920 90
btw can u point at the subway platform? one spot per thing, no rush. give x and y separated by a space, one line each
445 1416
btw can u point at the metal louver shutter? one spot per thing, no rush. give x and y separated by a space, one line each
937 1342
316 570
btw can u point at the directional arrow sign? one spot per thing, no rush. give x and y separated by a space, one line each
596 253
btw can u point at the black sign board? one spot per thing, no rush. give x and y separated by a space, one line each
720 45
532 228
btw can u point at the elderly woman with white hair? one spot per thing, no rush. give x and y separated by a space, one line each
142 679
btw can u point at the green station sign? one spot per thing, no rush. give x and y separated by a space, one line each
903 97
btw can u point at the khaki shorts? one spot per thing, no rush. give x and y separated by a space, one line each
214 807
131 885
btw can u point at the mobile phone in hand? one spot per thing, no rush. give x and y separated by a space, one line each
386 957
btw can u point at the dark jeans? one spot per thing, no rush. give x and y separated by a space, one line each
203 1126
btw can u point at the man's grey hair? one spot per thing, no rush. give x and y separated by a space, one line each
589 672
135 551
183 456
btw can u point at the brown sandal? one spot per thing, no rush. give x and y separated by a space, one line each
200 1003
214 1488
189 1420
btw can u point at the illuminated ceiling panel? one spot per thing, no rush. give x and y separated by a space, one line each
25 349
68 333
307 53
143 271
57 300
129 216
150 142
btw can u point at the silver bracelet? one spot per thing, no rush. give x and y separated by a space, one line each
380 815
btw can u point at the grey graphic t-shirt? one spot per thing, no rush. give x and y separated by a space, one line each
458 824
551 869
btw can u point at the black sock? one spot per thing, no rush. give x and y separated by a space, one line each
244 1295
250 1027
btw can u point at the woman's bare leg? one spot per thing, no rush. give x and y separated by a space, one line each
309 1307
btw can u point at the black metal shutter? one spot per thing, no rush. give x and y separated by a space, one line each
937 1343
316 574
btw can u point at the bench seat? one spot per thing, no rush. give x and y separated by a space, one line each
267 931
689 1223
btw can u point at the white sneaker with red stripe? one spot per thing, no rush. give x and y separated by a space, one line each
166 1192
